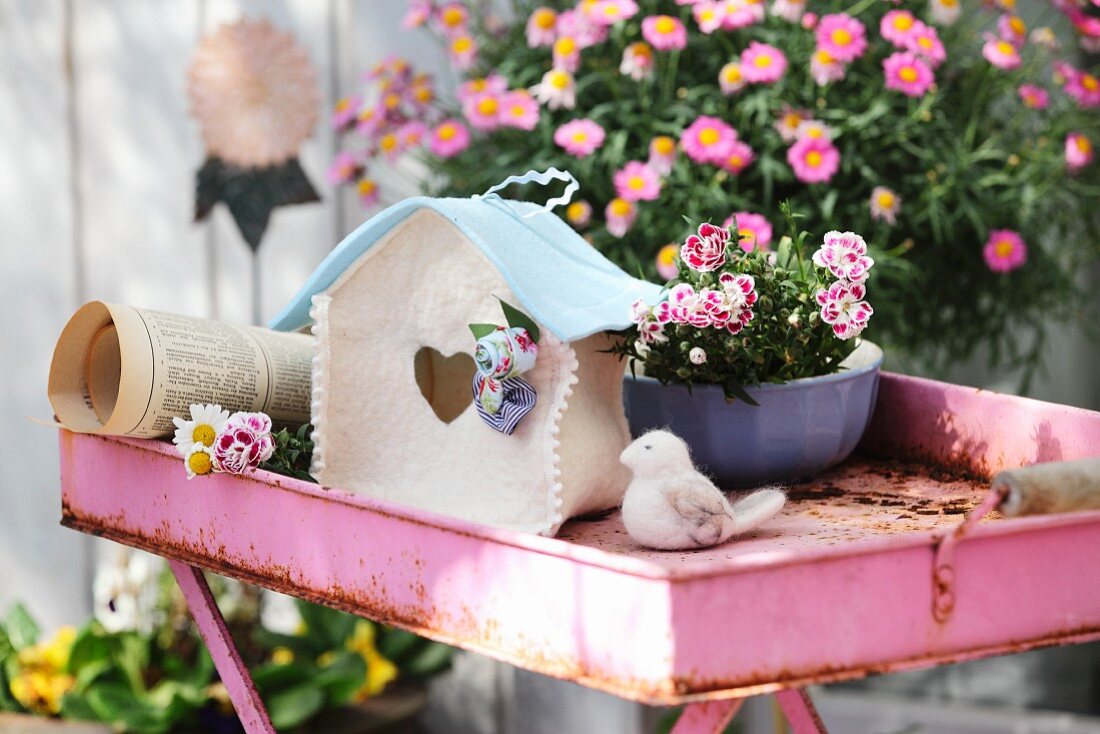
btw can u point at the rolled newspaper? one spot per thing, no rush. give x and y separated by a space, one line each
124 371
1062 486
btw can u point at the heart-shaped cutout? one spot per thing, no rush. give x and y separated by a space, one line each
444 381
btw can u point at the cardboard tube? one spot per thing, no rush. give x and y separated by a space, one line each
1063 486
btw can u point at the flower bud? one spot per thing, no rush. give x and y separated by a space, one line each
697 355
683 373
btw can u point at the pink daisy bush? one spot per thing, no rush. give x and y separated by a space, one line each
729 306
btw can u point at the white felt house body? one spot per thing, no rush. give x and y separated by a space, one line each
392 407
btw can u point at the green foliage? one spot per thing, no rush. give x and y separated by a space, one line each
965 159
292 455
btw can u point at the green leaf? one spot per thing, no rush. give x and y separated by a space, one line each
116 704
273 677
89 648
482 330
294 706
21 628
738 391
433 658
342 677
518 319
328 628
76 706
7 701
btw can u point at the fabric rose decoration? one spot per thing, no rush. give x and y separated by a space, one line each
244 443
503 353
706 250
506 352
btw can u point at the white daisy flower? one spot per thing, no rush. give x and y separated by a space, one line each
557 89
199 460
205 424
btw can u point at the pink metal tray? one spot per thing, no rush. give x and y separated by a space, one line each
840 585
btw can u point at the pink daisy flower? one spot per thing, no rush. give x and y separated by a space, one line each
584 29
367 191
814 160
908 74
885 204
391 146
412 133
580 138
344 167
1012 29
668 265
1000 53
709 15
345 112
739 158
898 26
825 69
1034 97
483 111
637 61
708 140
731 79
844 37
492 84
567 54
789 122
1079 151
843 308
609 12
463 50
417 15
637 182
579 213
789 10
541 27
1004 251
754 232
662 154
742 13
449 138
620 215
763 64
519 109
844 254
1084 88
664 32
809 21
706 250
925 42
452 19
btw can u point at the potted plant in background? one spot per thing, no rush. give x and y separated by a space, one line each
755 358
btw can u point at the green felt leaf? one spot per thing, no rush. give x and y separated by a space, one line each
482 330
518 319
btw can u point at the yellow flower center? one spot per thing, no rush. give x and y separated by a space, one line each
488 106
903 22
580 136
1003 248
545 18
707 14
813 159
886 200
667 254
746 235
203 433
200 463
949 3
446 132
815 132
641 50
762 61
908 74
391 101
736 161
636 182
1083 144
792 120
611 10
388 142
709 136
1008 4
576 211
924 42
1006 48
518 110
423 94
841 37
823 56
559 80
462 44
664 25
478 85
366 187
453 17
366 114
1089 82
1018 26
565 46
343 105
664 145
732 74
620 207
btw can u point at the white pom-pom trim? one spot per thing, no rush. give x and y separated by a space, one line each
321 361
565 379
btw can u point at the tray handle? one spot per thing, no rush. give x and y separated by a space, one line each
943 560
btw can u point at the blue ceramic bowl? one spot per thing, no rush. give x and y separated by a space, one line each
800 428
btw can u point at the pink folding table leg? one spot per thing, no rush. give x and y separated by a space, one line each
250 709
710 717
800 712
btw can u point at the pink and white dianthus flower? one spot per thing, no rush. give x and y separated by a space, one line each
650 329
541 29
580 138
1001 53
1004 251
1083 87
740 296
814 160
483 111
519 109
1079 151
844 37
843 308
637 61
898 26
491 84
1034 97
741 155
708 140
449 138
636 181
686 306
844 254
824 69
762 64
925 42
609 12
243 443
754 232
731 79
709 15
706 250
664 32
619 216
907 73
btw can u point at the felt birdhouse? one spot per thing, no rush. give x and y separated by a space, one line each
461 362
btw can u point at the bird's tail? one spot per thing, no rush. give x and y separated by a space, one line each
757 508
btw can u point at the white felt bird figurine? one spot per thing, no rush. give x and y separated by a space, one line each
669 505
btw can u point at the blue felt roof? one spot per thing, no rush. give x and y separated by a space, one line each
559 279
